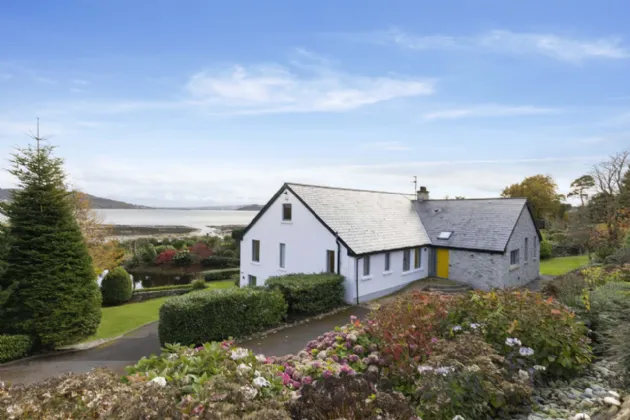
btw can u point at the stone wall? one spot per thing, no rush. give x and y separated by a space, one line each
480 270
528 269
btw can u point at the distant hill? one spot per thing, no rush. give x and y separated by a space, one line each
251 207
97 202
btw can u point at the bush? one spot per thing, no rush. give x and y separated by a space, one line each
568 289
546 250
309 294
201 250
183 259
558 339
116 287
14 346
620 257
147 254
220 262
466 377
179 244
237 234
609 308
198 284
221 274
199 317
161 248
165 256
159 288
228 253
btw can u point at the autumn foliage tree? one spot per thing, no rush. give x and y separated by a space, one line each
542 193
106 253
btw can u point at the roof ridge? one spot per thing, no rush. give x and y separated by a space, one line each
471 199
346 189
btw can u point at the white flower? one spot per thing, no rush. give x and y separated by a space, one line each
539 367
443 370
352 337
458 417
239 353
294 395
473 368
457 328
526 351
523 374
256 373
581 416
159 380
474 326
260 382
322 355
423 369
513 342
261 358
243 368
172 356
248 392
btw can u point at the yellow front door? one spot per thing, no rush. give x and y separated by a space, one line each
442 263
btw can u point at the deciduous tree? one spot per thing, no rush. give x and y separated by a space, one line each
581 186
542 193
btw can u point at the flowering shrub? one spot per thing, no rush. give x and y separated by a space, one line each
183 258
201 250
466 376
165 256
558 339
406 328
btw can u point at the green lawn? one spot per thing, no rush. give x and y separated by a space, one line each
562 265
118 320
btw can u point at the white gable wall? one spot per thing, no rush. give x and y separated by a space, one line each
306 241
527 270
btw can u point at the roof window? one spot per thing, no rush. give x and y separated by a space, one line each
445 235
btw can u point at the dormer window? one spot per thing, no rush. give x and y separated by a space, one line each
286 212
445 235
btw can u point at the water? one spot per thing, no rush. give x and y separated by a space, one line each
198 219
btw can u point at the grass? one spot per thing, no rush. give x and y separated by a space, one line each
118 320
562 265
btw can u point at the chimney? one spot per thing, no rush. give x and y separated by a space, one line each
423 194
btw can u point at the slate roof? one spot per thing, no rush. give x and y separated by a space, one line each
373 221
367 221
477 224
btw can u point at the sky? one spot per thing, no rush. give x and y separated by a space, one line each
192 103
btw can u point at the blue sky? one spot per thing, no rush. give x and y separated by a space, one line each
200 103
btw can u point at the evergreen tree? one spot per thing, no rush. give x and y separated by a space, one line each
54 294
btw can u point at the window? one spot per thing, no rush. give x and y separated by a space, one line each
366 266
406 260
286 212
417 260
526 249
445 235
535 251
387 261
330 261
283 248
251 280
514 257
255 250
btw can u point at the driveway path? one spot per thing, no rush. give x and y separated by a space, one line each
129 349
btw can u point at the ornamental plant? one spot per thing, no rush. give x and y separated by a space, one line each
558 338
165 256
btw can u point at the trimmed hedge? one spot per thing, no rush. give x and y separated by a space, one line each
220 262
221 275
14 346
161 288
200 317
116 287
309 294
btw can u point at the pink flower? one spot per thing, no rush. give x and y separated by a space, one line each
353 318
286 379
307 380
348 345
327 374
347 370
199 348
353 358
317 365
335 358
358 349
434 340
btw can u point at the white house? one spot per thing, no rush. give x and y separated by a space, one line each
381 241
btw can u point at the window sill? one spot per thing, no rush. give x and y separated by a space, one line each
414 271
366 278
287 222
282 269
255 262
514 267
387 273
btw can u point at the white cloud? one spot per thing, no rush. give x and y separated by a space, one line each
559 47
388 146
45 80
80 82
272 89
488 111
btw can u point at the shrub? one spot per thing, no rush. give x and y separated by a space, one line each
220 262
546 250
609 308
14 346
198 284
178 244
182 259
221 274
161 248
199 317
201 250
159 288
228 253
116 287
406 327
619 257
466 377
165 257
309 293
558 339
237 234
147 254
568 289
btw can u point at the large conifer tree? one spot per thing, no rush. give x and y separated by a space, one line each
54 294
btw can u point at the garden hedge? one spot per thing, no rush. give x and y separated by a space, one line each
200 317
14 346
221 275
116 287
309 294
220 262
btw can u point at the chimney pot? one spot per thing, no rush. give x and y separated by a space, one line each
422 194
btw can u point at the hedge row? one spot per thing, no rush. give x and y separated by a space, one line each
308 294
221 275
199 317
161 288
14 346
220 262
